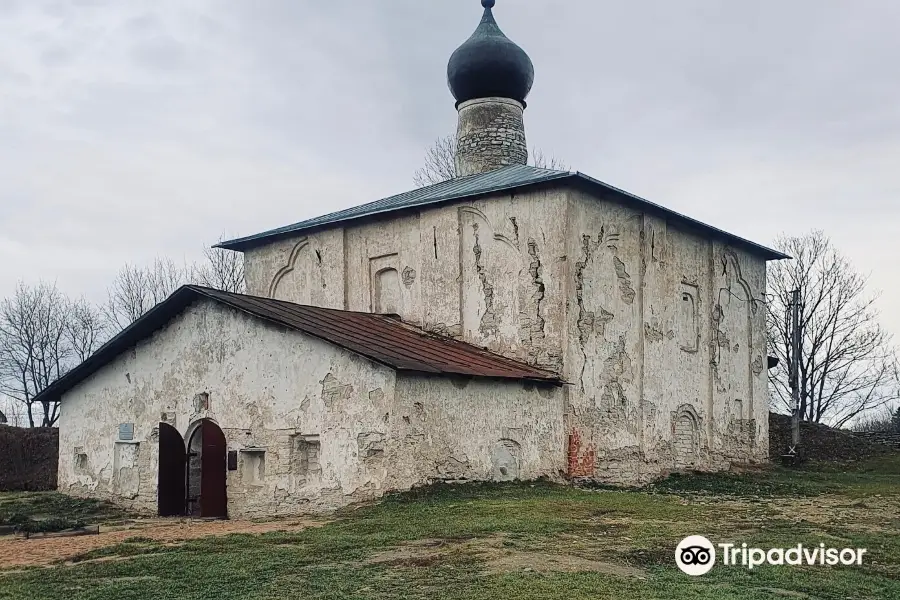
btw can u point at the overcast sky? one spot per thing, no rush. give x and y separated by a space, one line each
131 129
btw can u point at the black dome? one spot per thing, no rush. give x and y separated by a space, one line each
489 64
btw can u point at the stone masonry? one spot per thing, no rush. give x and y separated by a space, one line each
491 135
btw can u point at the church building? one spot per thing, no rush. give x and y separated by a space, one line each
512 323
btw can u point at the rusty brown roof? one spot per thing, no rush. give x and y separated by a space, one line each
381 338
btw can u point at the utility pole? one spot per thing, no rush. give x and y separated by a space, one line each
796 341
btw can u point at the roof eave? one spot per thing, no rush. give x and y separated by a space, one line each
184 296
249 242
758 249
163 312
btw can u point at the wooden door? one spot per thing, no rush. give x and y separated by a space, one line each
171 478
213 502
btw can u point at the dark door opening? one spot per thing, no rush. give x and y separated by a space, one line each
170 482
206 471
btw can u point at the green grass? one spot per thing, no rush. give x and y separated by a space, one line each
447 542
49 511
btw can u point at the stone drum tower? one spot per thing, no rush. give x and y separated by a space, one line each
490 77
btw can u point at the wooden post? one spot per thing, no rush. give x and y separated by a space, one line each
796 343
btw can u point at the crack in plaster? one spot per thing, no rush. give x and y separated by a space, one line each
535 327
625 288
616 368
488 319
587 320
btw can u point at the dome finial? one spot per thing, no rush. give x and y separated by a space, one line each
489 64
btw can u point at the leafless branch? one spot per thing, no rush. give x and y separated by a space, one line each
136 290
440 162
848 365
35 326
541 161
222 270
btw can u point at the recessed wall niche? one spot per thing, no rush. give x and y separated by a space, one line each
688 318
384 287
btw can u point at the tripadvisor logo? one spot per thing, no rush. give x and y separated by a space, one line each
696 555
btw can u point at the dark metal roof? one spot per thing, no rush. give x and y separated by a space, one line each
598 187
505 179
489 65
381 338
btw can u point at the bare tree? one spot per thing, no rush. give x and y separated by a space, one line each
222 270
884 421
85 328
539 160
847 363
33 348
136 290
13 411
440 162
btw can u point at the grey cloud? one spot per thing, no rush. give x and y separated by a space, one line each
160 52
55 56
170 119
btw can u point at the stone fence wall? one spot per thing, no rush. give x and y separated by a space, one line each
28 458
880 437
820 442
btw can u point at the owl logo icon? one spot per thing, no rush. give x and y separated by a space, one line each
695 555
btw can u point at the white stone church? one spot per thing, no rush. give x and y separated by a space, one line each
513 323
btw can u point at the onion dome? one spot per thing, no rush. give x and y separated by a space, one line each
489 65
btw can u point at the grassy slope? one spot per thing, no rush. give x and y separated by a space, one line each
480 525
50 511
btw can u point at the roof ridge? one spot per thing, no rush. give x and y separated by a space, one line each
505 178
381 340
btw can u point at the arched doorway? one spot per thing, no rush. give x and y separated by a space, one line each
170 482
686 432
207 453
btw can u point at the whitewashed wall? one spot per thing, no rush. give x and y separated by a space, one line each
660 330
274 389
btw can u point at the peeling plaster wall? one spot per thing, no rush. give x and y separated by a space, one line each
302 270
334 427
268 388
490 272
666 348
475 429
659 329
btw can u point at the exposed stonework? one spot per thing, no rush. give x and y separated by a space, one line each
488 318
666 340
409 276
491 135
627 291
532 319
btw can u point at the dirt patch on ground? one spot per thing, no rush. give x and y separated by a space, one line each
497 558
784 593
19 552
540 562
874 514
